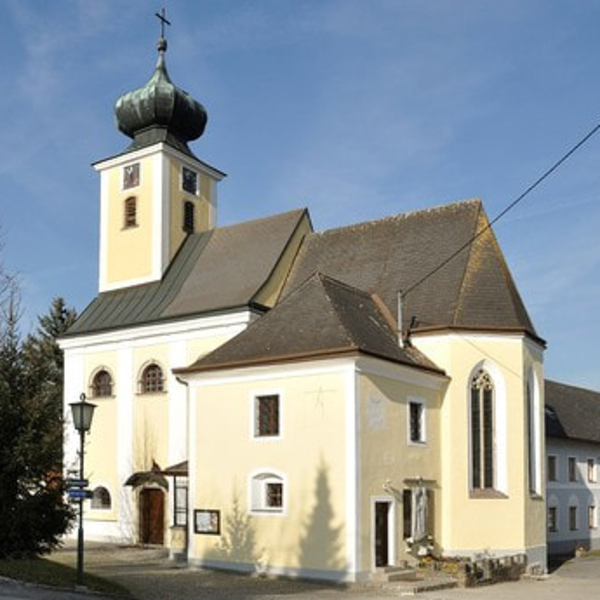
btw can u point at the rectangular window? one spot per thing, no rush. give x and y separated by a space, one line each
552 518
417 422
274 495
572 468
181 501
552 468
267 416
591 469
573 518
592 517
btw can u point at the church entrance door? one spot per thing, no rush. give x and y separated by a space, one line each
382 533
152 516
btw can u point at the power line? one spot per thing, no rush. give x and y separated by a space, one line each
545 175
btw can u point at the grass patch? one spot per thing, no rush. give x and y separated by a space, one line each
47 572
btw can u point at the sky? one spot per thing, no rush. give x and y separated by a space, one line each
356 109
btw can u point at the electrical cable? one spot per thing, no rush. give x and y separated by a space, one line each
544 176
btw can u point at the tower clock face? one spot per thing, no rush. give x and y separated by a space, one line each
189 181
131 176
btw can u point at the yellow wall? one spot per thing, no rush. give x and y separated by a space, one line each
477 524
310 454
129 254
387 456
270 291
101 441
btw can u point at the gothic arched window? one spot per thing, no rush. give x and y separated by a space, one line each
152 379
482 431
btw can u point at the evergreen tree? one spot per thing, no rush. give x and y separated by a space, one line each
33 513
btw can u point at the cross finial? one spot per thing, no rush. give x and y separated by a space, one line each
163 21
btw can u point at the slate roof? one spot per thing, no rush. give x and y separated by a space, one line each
322 317
217 270
474 290
572 412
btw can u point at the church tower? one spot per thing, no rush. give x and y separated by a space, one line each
156 192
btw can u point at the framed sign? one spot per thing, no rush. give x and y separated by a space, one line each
207 521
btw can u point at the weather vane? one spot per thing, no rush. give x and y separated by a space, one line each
163 21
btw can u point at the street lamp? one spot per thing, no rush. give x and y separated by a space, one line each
82 413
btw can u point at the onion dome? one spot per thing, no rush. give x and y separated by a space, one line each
160 111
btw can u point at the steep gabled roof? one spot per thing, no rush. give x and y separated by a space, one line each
572 412
474 290
322 317
217 270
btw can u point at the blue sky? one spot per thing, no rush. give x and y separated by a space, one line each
358 109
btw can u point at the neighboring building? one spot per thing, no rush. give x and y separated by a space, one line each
573 459
268 398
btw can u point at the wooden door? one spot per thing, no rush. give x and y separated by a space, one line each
152 516
382 527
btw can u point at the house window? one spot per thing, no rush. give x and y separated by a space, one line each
552 468
152 379
131 176
101 498
188 216
416 415
267 416
591 469
189 181
552 519
268 493
102 384
130 215
592 516
573 518
181 501
482 431
572 468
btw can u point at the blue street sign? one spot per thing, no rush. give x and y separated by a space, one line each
79 494
76 483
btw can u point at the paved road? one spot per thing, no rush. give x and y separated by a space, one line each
150 576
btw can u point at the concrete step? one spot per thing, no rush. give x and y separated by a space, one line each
393 573
412 588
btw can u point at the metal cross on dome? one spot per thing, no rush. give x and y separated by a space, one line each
163 20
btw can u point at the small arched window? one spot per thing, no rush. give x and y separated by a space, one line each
101 498
102 384
188 216
482 430
130 215
152 379
267 492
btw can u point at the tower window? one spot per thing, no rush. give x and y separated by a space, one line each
188 217
130 219
131 176
189 181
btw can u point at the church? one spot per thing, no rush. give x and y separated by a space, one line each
273 398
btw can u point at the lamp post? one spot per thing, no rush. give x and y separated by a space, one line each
82 413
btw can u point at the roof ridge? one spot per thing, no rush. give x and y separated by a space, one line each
258 219
405 215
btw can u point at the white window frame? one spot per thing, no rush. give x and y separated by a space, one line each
592 473
423 421
572 460
257 492
254 397
592 516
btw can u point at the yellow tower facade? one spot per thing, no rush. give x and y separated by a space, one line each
156 192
